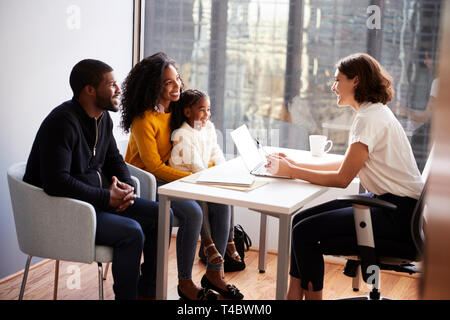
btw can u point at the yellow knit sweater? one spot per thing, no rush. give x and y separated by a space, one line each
149 147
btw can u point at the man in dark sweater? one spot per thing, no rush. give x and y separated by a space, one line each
75 155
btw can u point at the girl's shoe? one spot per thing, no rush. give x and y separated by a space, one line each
231 265
214 258
232 253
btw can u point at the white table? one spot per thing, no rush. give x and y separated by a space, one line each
280 198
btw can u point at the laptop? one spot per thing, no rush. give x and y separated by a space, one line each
253 159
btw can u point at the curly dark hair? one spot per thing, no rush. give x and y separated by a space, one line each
187 99
375 84
142 87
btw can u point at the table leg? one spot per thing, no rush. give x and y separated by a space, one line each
284 248
163 247
262 257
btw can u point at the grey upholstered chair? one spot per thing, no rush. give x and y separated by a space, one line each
54 227
146 180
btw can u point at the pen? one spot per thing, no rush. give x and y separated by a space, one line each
261 147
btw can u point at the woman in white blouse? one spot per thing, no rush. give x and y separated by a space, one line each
379 153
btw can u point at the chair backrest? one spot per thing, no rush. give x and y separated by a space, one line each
18 190
122 145
147 181
418 214
50 227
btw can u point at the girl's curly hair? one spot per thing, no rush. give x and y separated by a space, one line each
142 87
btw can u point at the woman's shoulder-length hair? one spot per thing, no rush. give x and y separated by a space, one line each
374 83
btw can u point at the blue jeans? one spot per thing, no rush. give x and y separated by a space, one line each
130 232
190 216
218 228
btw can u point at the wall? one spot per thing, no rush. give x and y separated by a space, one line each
436 263
41 40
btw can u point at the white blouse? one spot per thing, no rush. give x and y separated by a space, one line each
391 167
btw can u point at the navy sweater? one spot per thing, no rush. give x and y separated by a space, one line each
73 155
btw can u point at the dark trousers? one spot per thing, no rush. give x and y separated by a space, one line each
131 232
329 228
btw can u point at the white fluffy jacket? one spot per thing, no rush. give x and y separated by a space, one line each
195 150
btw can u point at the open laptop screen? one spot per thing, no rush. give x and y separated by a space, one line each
246 147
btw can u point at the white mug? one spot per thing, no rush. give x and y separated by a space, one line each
317 144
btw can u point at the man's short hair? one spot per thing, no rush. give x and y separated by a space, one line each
87 72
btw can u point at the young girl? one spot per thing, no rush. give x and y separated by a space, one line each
195 148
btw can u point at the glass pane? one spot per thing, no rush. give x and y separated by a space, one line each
270 63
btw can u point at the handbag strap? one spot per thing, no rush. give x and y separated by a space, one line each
247 240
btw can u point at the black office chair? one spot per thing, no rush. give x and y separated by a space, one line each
400 256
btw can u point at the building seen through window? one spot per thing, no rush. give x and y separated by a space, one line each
270 63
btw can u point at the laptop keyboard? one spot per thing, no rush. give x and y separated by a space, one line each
261 170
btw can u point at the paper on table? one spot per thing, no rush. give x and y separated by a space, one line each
193 179
217 175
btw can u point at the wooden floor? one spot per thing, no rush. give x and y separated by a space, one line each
254 285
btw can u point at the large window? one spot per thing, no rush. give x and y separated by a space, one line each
270 63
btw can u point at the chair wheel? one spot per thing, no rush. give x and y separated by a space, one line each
355 289
262 271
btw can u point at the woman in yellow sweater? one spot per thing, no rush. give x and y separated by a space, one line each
148 91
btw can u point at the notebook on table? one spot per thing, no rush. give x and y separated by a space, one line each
224 177
255 185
